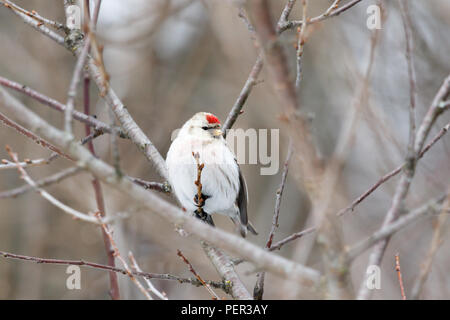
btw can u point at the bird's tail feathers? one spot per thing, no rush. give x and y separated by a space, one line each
244 228
251 228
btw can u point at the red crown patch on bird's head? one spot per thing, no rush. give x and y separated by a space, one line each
212 119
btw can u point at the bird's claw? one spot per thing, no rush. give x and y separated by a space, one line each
203 198
200 214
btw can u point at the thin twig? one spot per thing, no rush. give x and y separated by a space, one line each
294 236
334 6
258 290
150 285
436 241
300 42
96 11
116 254
27 133
30 19
23 174
430 208
286 11
225 268
244 17
330 12
251 81
399 275
192 270
393 173
150 185
55 178
243 95
406 19
5 164
115 146
33 14
199 201
98 266
90 120
279 196
8 122
76 78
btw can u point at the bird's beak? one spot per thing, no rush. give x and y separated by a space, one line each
217 132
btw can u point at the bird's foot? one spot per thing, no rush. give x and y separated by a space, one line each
203 216
204 197
200 214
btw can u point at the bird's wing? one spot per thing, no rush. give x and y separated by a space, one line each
242 199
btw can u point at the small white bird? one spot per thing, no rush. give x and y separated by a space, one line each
224 190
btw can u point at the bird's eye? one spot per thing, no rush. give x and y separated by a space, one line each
205 128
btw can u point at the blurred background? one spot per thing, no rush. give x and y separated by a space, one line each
170 59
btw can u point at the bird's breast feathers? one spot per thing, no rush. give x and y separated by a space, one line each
219 178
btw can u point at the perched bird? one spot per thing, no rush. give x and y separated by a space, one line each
223 188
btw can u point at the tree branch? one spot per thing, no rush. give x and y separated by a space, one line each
55 178
146 275
90 120
429 209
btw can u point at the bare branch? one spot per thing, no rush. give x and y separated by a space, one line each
245 92
55 178
294 236
91 121
150 286
393 173
33 14
192 270
279 197
29 19
286 11
436 242
225 268
76 78
399 274
412 76
32 136
116 253
23 174
150 185
429 209
82 263
332 11
28 163
258 291
300 43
